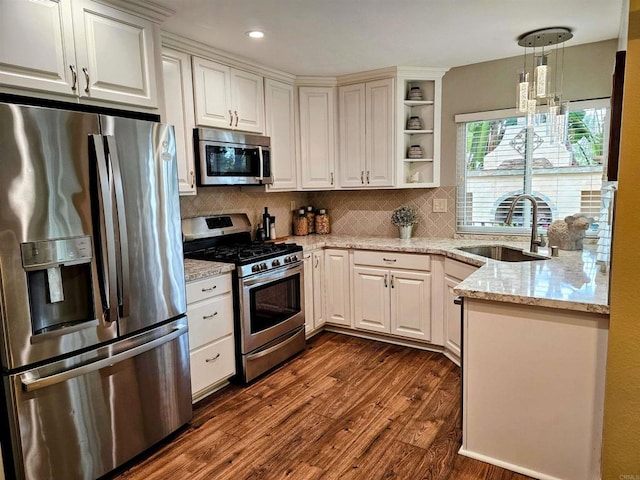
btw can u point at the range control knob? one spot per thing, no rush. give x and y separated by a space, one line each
275 263
294 258
263 266
255 268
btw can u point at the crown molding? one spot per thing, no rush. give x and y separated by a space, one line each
146 9
208 52
316 81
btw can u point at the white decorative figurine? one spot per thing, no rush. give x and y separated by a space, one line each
568 234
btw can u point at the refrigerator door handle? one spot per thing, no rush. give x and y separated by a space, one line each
108 287
31 383
123 270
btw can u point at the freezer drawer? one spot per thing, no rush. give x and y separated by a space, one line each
82 422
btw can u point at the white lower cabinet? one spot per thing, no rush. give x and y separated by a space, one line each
314 290
211 342
337 287
392 300
454 273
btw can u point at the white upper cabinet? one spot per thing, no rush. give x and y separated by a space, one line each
280 127
36 46
227 98
178 108
367 134
78 48
317 137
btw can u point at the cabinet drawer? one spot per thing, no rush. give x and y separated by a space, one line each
459 270
212 363
201 289
410 261
210 320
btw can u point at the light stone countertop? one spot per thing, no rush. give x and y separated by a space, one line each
199 269
571 281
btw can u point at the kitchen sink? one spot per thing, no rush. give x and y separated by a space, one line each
503 253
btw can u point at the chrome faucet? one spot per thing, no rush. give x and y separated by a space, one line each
535 241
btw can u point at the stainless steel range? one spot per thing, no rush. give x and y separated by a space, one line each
268 283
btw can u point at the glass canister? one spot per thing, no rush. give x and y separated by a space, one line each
311 220
300 223
323 226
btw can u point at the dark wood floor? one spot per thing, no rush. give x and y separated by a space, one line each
347 408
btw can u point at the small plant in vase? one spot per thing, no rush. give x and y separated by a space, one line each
404 218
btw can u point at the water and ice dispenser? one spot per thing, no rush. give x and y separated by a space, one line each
60 282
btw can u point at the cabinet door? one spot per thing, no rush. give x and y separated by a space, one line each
317 137
36 46
452 321
380 133
371 299
212 92
351 109
411 304
178 92
308 292
318 289
280 127
115 52
247 98
337 287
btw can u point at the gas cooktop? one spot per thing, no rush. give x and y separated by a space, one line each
227 238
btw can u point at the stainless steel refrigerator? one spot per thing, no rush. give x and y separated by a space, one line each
93 333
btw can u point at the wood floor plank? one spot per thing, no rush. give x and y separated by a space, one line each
347 408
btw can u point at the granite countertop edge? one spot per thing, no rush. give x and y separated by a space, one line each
573 273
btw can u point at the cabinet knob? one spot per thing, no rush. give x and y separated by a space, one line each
331 178
368 182
236 112
205 317
209 289
385 281
74 78
230 118
362 177
86 79
392 285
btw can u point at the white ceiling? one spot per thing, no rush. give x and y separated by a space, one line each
335 37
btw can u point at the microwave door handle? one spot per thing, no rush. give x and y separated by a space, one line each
106 239
123 270
261 159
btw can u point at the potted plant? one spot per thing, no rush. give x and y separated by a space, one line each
404 218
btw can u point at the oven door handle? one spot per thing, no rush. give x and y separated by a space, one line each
267 351
272 275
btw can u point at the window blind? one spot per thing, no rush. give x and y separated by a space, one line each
560 163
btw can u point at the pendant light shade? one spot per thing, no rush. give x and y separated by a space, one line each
538 85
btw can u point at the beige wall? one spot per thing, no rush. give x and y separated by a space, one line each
492 86
621 453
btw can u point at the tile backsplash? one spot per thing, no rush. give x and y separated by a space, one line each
368 212
357 212
249 200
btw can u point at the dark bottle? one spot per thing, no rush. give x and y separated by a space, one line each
266 222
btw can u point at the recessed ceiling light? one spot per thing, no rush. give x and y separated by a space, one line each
255 34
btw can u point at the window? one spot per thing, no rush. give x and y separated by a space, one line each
500 157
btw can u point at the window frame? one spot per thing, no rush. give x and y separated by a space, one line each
461 177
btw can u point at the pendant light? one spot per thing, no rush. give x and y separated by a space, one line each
535 87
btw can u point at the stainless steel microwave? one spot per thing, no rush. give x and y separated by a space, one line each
232 158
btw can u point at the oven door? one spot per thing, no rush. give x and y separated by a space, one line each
223 163
271 305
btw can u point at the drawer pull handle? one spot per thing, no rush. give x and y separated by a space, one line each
204 317
209 289
211 360
390 260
